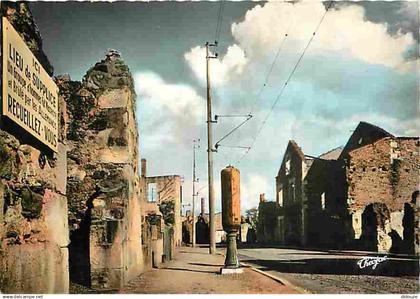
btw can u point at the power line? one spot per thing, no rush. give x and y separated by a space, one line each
219 21
270 70
287 81
249 115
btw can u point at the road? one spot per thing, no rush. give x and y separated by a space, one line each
324 272
195 271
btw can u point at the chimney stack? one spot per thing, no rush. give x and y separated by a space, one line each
262 197
143 168
203 206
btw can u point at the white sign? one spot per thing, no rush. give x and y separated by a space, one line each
30 96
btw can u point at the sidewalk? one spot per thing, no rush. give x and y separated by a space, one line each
194 271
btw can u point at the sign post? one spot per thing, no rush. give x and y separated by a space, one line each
231 217
29 95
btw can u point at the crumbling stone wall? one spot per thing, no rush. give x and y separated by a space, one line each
103 179
382 177
289 186
33 203
168 193
268 229
411 224
187 225
327 214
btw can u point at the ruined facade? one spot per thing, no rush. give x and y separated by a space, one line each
76 215
161 216
202 233
202 228
308 200
383 179
187 223
103 180
270 222
33 204
290 194
362 196
324 203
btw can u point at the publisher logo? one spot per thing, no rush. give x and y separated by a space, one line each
366 262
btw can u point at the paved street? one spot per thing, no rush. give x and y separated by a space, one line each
334 272
194 271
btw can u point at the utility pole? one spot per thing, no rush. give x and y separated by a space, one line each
212 247
194 194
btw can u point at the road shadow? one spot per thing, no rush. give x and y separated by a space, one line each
206 265
323 251
194 252
191 270
339 267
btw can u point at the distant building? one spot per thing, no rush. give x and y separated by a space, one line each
270 226
202 228
161 193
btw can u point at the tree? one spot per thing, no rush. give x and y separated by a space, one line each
167 208
251 217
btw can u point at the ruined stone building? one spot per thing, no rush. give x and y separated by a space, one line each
102 178
33 203
202 233
291 211
220 233
73 212
290 194
362 196
187 222
325 206
161 215
382 176
269 226
245 232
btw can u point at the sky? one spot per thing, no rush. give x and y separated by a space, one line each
360 66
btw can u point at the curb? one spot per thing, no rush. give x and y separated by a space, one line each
278 279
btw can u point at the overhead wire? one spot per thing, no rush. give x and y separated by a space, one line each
286 83
270 70
249 115
219 22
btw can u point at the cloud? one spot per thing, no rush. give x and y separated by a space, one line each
180 100
252 186
169 116
344 30
222 70
354 71
317 133
410 17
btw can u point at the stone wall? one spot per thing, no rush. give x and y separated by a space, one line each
103 179
268 228
33 204
289 193
161 216
382 178
168 188
364 196
327 216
